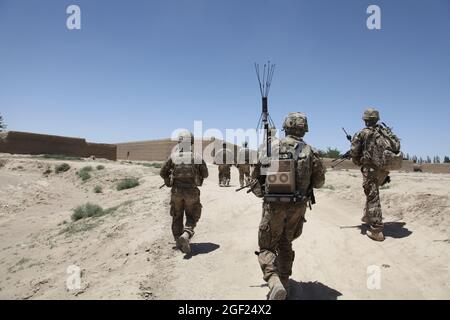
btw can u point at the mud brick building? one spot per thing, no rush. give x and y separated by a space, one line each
15 142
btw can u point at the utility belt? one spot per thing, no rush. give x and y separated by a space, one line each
286 198
184 185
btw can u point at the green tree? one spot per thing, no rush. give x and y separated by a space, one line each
446 159
332 153
2 124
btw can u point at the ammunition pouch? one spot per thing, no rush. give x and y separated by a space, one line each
289 198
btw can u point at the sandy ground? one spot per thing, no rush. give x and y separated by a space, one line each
129 253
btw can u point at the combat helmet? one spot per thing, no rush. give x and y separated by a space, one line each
371 114
296 122
185 137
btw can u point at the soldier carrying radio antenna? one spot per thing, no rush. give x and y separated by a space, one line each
184 172
376 149
286 187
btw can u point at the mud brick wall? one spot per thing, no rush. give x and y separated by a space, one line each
156 150
31 143
101 150
159 150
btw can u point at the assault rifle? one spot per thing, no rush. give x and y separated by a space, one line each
252 185
345 156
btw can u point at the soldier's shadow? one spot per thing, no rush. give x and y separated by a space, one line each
201 248
311 291
396 230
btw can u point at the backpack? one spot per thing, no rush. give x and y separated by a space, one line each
288 177
382 149
184 169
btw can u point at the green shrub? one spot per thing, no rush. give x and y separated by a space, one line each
98 189
100 167
86 211
84 173
62 167
127 184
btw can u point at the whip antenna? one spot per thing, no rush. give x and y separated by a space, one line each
265 121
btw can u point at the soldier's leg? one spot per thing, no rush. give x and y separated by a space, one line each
270 231
372 210
177 213
247 174
293 229
220 175
241 176
193 209
228 175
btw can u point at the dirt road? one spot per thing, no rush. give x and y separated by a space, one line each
128 254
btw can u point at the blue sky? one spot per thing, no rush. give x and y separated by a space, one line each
139 69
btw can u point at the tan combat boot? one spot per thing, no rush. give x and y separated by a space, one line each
375 233
183 243
277 290
365 219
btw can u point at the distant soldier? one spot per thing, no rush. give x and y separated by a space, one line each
287 190
224 175
184 172
243 165
376 150
224 159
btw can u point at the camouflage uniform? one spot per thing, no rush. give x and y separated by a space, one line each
224 174
244 173
282 223
243 164
373 178
364 152
185 195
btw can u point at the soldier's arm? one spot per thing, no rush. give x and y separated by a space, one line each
256 186
356 148
204 170
166 169
318 171
256 171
